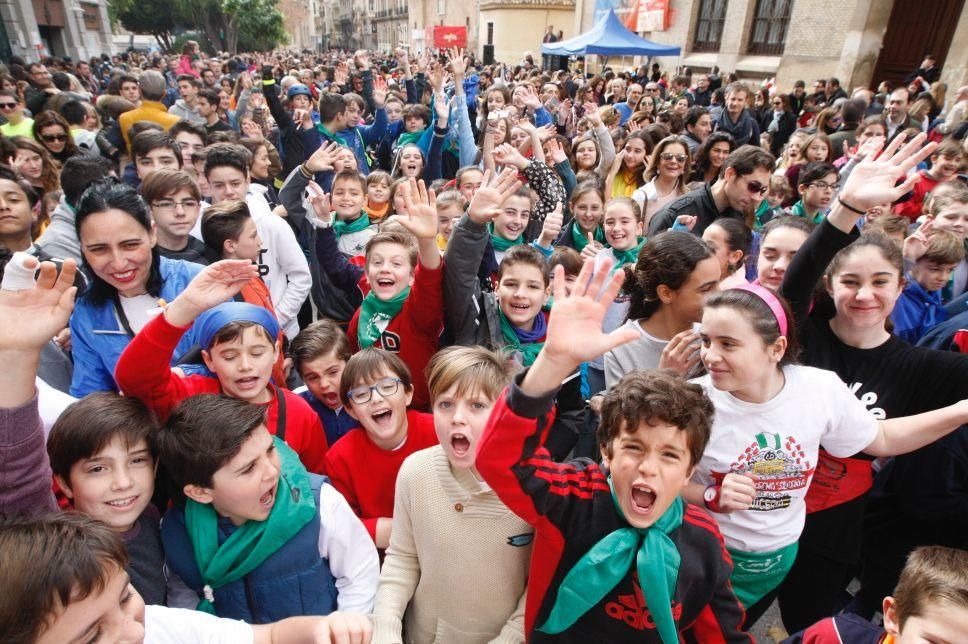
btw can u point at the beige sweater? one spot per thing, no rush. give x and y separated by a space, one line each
451 574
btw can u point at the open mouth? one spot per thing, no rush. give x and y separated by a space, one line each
123 277
267 499
460 444
123 504
385 282
643 499
382 417
520 308
247 383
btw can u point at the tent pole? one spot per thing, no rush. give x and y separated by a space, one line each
604 64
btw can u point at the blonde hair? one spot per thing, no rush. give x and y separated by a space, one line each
468 370
944 248
933 575
449 199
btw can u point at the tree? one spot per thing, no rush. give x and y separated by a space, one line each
146 17
258 23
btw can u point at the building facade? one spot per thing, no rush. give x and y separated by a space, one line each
514 27
33 29
299 18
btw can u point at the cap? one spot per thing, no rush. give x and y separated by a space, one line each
298 89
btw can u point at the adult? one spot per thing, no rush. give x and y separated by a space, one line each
742 185
782 123
632 97
698 124
40 88
833 91
53 132
702 93
851 114
736 118
208 107
153 90
710 156
186 107
927 71
12 109
795 98
896 116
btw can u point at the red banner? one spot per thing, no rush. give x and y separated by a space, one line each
444 37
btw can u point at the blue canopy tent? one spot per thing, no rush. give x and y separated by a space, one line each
609 37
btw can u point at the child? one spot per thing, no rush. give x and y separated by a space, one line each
246 493
772 206
152 150
377 195
319 355
352 227
928 605
919 308
591 580
65 582
239 344
949 211
376 389
450 207
817 185
894 227
946 162
175 203
230 233
586 204
451 532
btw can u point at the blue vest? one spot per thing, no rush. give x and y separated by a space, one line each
293 581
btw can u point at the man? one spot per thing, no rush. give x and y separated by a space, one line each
209 79
796 97
896 116
40 89
958 111
819 92
698 124
632 97
208 103
702 93
548 38
12 109
928 71
852 113
741 186
83 72
736 119
151 86
129 90
678 88
187 106
834 91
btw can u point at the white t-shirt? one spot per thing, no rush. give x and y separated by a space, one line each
139 310
778 441
178 626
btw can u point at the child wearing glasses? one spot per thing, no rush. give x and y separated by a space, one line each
376 389
665 176
817 187
175 203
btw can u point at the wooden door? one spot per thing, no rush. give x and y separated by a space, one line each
916 29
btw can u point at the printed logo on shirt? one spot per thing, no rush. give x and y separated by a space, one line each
390 341
869 399
632 610
780 466
521 540
263 267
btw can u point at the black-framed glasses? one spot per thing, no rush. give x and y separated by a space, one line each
669 156
755 187
823 185
385 387
50 138
171 204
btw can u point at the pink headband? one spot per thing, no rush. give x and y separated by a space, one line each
771 300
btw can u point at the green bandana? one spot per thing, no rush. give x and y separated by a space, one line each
332 135
254 541
630 256
345 228
606 564
373 311
757 573
798 210
529 350
581 237
500 244
409 137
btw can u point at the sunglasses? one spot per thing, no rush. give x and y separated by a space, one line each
755 187
50 138
669 156
778 102
7 106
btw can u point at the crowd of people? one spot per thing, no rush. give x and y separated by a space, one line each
355 347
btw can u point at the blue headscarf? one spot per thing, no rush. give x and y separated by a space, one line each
213 320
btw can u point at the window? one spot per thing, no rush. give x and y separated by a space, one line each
709 26
441 7
490 33
770 27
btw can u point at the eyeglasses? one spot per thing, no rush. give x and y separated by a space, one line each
669 156
163 205
823 185
386 388
755 187
7 106
50 138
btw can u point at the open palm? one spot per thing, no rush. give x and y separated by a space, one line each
494 191
31 317
217 283
874 180
421 217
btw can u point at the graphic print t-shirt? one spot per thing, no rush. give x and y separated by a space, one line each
778 442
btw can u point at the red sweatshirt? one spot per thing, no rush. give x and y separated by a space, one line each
414 331
913 207
143 373
367 475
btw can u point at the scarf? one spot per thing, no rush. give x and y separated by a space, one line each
254 541
375 315
581 237
741 130
409 137
347 227
500 244
333 136
798 210
630 256
606 564
376 213
526 343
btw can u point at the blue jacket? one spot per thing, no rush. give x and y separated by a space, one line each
293 581
98 336
357 138
917 312
335 425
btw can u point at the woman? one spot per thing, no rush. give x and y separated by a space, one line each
129 283
730 240
53 132
828 121
780 123
761 108
664 175
710 157
37 167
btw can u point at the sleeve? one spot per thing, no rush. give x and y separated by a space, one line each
546 183
310 139
939 500
662 220
338 471
305 434
401 567
25 475
242 106
413 96
542 117
351 554
568 179
435 161
279 114
90 374
374 132
461 289
465 133
293 262
175 625
607 147
426 300
722 618
342 274
613 370
291 196
849 427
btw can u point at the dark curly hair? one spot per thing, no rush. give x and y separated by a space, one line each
668 258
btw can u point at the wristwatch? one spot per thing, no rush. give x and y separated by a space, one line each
711 497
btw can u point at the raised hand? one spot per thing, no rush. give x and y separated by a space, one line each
529 97
617 163
380 92
592 248
421 217
458 65
323 158
545 132
689 221
442 108
216 283
592 114
494 191
362 59
916 245
246 80
322 212
874 180
555 151
506 154
551 228
435 76
30 318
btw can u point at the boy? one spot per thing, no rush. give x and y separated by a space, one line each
949 211
451 532
152 150
352 227
319 355
817 186
304 551
771 207
282 263
919 308
946 162
186 107
103 457
65 582
450 207
239 345
894 227
376 389
191 138
929 604
590 578
175 203
377 195
208 104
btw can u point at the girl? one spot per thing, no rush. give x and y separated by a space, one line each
710 156
791 152
730 240
780 240
259 170
587 205
377 195
450 207
627 172
594 151
816 147
397 198
673 276
54 133
36 165
669 161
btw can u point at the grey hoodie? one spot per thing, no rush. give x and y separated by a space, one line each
60 238
183 111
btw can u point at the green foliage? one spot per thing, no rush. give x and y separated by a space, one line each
146 17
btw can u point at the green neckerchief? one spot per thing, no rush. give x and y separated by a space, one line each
409 137
254 541
529 351
630 256
500 244
373 311
345 228
606 564
581 237
799 211
332 135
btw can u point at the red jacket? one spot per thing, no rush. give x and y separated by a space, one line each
913 207
366 475
414 332
143 373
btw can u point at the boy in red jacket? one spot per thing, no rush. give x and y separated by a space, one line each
239 345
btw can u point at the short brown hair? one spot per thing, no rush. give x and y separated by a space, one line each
89 425
368 365
933 575
888 224
944 195
350 175
320 338
657 395
222 222
165 182
524 254
234 330
48 563
470 369
566 257
943 248
392 237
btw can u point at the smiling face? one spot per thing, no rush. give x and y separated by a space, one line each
244 365
411 162
117 248
942 623
388 270
446 218
864 289
322 377
515 212
776 252
518 137
587 211
736 103
635 154
113 486
735 355
672 160
459 421
470 183
378 192
521 293
384 418
649 467
394 110
686 303
702 128
114 613
819 197
954 219
942 168
622 229
586 155
718 154
348 199
30 164
260 163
